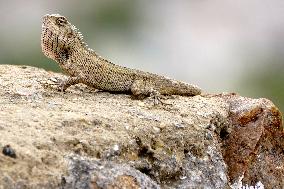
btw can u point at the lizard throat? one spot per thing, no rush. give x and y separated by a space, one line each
51 47
48 43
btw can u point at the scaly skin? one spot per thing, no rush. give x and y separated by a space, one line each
61 42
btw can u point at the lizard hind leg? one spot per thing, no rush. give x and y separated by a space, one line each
141 90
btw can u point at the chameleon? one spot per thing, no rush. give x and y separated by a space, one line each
62 42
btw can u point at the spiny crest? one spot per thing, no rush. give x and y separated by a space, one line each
81 37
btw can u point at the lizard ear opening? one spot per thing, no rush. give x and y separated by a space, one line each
69 35
61 21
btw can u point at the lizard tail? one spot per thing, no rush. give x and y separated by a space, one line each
179 88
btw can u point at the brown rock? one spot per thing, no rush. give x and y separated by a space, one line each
254 148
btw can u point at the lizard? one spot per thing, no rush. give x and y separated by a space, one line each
62 42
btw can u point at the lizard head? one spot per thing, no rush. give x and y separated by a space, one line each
58 36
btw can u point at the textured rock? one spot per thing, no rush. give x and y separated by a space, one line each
104 140
254 148
96 174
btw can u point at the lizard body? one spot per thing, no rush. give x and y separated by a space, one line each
61 41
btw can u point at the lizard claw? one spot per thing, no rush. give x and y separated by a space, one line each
156 97
57 84
61 86
156 100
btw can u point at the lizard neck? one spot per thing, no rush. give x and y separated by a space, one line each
77 49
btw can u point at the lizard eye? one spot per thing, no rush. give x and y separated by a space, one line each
61 21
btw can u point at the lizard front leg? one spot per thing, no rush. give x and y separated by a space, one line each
67 83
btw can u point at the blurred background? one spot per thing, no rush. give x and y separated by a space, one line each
225 45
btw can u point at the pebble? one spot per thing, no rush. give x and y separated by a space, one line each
8 151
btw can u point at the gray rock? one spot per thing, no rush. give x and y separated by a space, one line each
89 174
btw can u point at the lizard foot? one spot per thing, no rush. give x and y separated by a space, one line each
55 83
59 83
61 86
147 91
157 98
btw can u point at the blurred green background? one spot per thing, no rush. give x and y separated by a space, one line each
233 46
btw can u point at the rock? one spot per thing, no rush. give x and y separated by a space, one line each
85 138
104 174
254 148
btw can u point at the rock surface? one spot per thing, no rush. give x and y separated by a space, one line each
85 138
